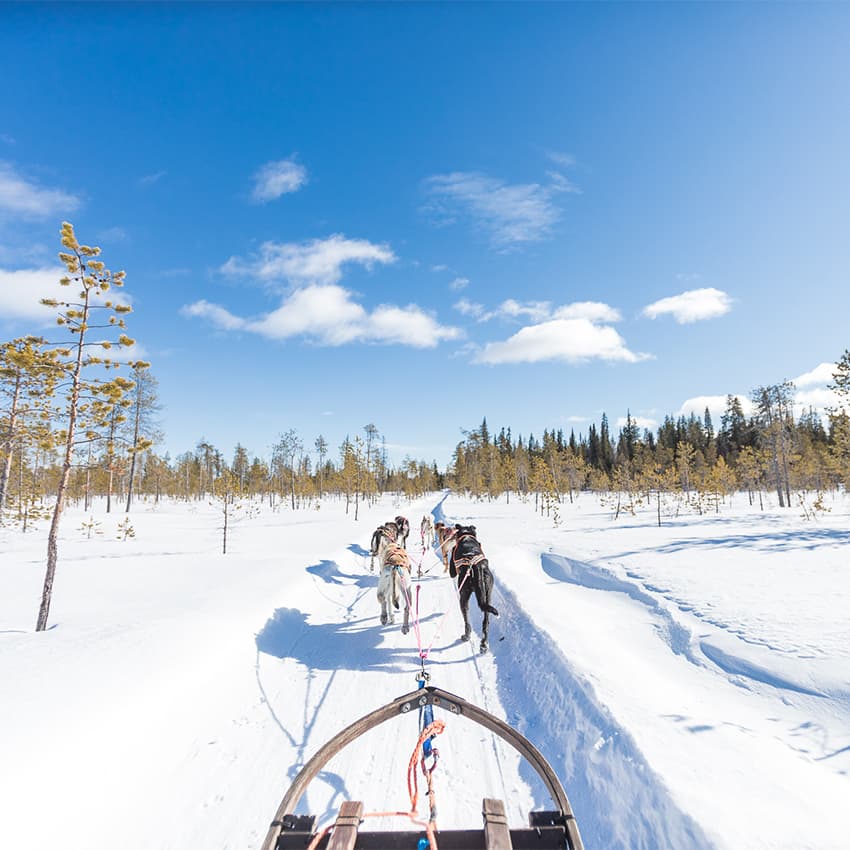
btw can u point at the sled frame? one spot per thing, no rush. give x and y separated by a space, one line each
549 830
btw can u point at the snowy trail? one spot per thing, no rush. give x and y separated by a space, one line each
179 691
318 665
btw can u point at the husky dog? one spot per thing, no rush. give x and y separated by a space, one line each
426 529
472 570
395 577
403 530
384 535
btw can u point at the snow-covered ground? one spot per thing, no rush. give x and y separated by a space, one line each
690 684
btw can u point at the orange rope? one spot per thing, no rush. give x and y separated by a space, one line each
430 827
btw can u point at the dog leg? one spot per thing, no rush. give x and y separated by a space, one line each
465 593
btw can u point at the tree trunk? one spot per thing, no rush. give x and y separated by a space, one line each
133 458
53 536
6 472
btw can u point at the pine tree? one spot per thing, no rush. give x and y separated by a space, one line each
94 281
143 409
28 375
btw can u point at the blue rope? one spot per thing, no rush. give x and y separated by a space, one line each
426 717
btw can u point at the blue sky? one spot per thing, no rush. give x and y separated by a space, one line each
421 215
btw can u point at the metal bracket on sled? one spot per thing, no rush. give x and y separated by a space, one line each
558 827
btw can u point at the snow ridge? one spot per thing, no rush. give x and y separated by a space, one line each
619 802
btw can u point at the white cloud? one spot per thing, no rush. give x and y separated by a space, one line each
214 314
440 268
572 340
21 290
716 405
319 261
459 283
594 311
819 399
511 213
24 198
642 422
821 374
691 306
278 178
328 315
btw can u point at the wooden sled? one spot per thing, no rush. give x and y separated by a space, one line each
547 830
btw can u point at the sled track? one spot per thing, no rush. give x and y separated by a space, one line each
619 802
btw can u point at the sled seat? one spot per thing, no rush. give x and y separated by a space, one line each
546 831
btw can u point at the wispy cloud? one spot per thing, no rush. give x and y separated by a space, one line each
150 179
538 311
459 283
329 315
278 178
469 308
695 305
33 254
22 197
112 234
572 340
319 261
562 183
565 160
511 213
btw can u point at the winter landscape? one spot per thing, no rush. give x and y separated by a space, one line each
690 684
274 274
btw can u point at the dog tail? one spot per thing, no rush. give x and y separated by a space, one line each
490 609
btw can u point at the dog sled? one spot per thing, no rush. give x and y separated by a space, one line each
554 829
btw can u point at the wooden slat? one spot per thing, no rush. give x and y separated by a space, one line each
496 833
344 835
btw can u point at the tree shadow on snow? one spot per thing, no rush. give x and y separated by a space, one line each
330 572
785 540
353 645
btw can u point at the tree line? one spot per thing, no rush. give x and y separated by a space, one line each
797 458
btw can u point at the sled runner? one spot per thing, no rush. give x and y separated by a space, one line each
547 830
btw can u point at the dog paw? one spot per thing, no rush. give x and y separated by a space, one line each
405 629
484 648
383 619
464 637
